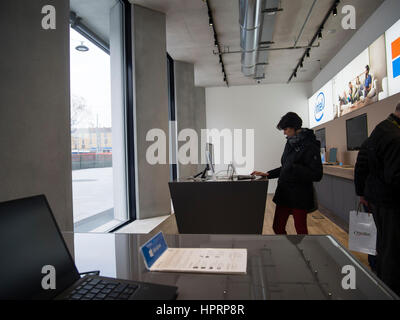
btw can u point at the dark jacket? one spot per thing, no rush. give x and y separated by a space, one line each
301 166
377 171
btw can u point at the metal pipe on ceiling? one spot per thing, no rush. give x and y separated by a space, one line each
305 22
269 49
250 20
78 26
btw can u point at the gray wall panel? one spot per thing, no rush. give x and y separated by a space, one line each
151 108
190 110
35 138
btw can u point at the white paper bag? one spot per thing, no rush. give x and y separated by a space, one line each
362 233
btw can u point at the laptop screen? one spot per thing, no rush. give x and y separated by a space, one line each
30 240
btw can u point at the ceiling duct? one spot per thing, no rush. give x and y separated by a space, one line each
256 26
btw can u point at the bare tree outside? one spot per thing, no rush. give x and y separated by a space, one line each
80 114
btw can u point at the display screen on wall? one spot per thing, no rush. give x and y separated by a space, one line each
357 132
320 106
321 137
393 58
372 76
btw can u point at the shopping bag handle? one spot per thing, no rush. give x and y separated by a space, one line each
359 209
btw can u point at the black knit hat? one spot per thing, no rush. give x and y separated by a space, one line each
290 120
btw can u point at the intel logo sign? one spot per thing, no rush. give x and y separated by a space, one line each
319 107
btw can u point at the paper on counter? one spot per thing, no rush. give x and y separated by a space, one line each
201 260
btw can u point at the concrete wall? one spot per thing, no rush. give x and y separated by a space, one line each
35 139
190 110
377 24
150 108
259 108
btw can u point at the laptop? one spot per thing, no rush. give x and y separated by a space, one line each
30 240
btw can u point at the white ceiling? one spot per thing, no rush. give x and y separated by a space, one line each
95 15
190 38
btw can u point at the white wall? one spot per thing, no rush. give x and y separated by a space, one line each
259 108
380 21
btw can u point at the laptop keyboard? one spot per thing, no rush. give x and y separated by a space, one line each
98 289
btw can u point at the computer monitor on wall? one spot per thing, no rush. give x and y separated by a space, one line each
321 137
357 132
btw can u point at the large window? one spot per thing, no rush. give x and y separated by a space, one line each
98 116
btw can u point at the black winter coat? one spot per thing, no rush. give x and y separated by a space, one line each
301 166
377 171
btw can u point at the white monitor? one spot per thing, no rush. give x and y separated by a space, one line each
210 156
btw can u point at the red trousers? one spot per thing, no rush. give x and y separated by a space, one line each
282 215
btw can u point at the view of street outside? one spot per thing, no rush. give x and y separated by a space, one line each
91 134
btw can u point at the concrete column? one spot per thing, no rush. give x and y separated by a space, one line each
35 132
190 110
150 109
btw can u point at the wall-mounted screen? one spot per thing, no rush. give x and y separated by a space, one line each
321 137
357 132
320 106
393 58
372 76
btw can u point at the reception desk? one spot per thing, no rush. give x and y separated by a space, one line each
336 194
219 207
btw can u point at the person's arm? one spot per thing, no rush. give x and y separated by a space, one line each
274 174
361 172
391 163
260 174
311 169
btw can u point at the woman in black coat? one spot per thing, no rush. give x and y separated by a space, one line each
301 166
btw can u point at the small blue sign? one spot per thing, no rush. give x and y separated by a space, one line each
319 107
153 249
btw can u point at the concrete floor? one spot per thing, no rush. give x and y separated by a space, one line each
92 192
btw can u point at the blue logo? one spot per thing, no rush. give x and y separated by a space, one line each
319 107
153 249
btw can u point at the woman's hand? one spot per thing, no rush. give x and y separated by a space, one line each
260 174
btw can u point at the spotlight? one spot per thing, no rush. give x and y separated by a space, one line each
82 47
215 43
301 64
308 53
335 11
210 21
320 35
295 74
220 59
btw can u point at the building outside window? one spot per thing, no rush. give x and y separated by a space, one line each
98 115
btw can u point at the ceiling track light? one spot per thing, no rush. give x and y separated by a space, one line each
216 43
334 12
318 35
